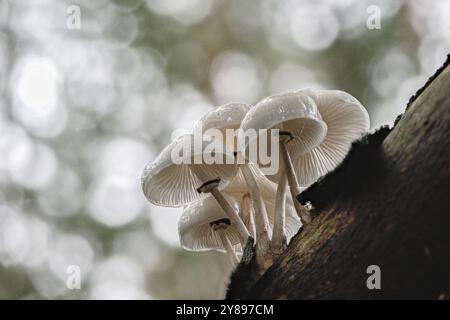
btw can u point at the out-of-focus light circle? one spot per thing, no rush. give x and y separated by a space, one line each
11 137
39 233
352 17
23 240
15 242
229 71
128 63
116 200
88 72
290 77
118 277
139 246
188 105
313 26
36 83
393 68
164 223
119 28
58 200
122 156
39 21
131 116
117 290
47 284
67 250
387 111
432 52
79 62
119 267
32 165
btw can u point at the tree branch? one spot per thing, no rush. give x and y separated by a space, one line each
387 204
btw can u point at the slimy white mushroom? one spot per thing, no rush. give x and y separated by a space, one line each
301 129
315 130
227 119
177 182
238 189
347 120
204 226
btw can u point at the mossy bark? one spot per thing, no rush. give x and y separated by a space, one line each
387 204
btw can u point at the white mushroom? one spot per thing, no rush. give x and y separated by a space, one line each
226 117
204 226
347 121
227 120
301 129
237 188
179 175
291 222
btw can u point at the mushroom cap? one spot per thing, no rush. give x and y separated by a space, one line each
347 121
173 184
238 187
194 228
227 116
293 112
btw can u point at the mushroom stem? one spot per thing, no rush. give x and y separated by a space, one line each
229 211
227 208
247 213
261 218
279 240
234 260
294 186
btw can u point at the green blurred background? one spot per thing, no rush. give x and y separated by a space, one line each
83 110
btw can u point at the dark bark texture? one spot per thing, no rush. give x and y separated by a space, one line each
387 204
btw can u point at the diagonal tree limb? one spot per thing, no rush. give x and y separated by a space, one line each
387 204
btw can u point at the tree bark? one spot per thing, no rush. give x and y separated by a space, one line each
387 204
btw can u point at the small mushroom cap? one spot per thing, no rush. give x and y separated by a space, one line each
347 121
229 115
293 112
238 187
195 231
173 184
226 117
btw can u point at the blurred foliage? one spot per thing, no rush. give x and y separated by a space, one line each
83 110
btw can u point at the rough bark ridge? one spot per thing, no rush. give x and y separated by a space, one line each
387 204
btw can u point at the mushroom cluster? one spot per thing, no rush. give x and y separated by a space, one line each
227 202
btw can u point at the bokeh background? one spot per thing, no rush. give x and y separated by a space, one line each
83 110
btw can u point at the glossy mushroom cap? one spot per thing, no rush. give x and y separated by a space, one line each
170 183
227 116
293 112
347 121
238 187
195 231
